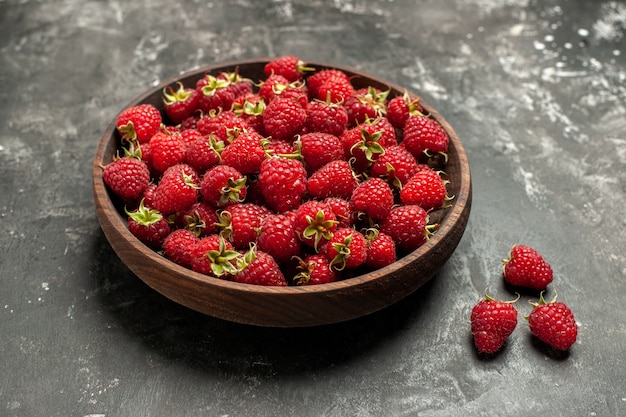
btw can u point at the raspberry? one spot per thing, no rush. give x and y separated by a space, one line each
126 177
139 123
492 322
283 183
223 185
284 118
525 267
553 323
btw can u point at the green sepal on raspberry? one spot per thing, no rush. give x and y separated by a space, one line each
223 260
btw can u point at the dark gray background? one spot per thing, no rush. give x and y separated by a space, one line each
536 91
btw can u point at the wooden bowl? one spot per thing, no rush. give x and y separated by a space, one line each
296 306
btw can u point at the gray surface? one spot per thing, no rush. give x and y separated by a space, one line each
534 89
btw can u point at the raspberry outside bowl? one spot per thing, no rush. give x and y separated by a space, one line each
292 306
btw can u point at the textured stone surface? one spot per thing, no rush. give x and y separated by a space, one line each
534 89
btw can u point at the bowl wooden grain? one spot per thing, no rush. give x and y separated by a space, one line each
296 306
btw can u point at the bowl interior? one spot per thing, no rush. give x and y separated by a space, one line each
285 306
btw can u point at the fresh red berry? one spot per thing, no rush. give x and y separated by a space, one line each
343 209
178 247
326 117
426 189
259 268
278 237
315 81
525 267
401 107
139 123
373 197
223 185
396 166
424 136
181 103
318 149
166 150
225 125
245 153
272 86
315 269
283 183
214 256
335 179
148 225
240 223
204 153
335 88
127 177
346 249
408 227
216 94
289 66
364 104
239 85
381 249
362 146
284 118
177 190
314 223
201 218
250 108
553 323
492 322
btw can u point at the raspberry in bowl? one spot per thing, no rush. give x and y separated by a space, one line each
277 192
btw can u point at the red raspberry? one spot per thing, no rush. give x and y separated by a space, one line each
148 225
343 209
424 136
373 197
553 323
259 268
314 270
363 144
408 227
525 267
200 218
225 125
139 123
240 223
216 94
272 86
365 104
214 256
278 237
189 136
346 249
181 103
283 183
127 177
239 85
401 107
396 166
177 190
381 249
318 149
289 66
178 247
223 185
426 189
315 223
284 118
204 153
166 150
315 80
326 117
335 89
335 179
245 153
148 195
492 322
250 108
